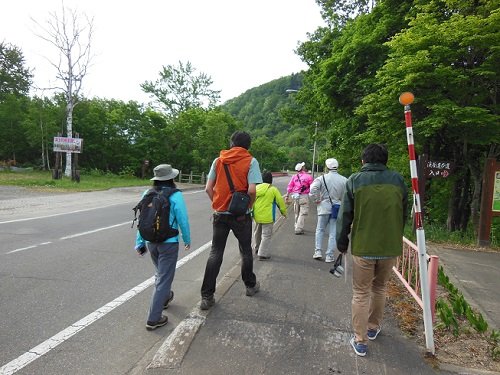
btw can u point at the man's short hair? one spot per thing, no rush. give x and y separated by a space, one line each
267 177
240 139
375 153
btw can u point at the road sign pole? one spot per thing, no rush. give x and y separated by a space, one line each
406 99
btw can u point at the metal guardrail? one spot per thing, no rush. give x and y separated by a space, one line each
407 270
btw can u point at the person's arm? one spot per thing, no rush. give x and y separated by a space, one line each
181 216
291 185
405 202
252 192
254 177
209 189
315 192
211 177
140 244
279 201
345 218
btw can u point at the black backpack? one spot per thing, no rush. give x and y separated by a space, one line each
154 215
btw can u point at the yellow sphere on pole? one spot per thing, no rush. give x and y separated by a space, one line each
406 98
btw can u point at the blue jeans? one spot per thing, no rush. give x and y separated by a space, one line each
323 222
164 257
242 230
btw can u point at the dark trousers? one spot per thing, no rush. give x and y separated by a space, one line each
242 230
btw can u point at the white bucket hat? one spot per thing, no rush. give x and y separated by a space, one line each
164 172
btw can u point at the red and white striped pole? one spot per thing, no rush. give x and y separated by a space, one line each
406 99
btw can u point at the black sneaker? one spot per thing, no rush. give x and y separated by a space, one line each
253 289
207 302
160 323
165 306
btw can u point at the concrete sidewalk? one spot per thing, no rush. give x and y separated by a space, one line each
299 323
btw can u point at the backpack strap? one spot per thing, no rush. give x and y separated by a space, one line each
228 176
170 191
327 190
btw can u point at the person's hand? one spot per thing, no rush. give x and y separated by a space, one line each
141 250
187 247
342 249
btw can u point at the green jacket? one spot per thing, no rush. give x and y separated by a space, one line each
266 200
375 204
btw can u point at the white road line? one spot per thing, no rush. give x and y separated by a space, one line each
82 210
29 247
93 231
69 237
49 344
59 214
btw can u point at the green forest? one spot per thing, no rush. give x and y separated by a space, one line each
446 52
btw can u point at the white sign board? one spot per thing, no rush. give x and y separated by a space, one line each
64 144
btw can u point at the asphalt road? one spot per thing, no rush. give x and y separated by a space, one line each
74 295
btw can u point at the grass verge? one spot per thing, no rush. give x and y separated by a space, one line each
42 181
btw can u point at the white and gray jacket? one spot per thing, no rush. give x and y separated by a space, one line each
336 187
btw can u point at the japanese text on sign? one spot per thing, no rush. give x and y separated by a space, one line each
64 144
438 168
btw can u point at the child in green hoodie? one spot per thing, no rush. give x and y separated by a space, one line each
268 197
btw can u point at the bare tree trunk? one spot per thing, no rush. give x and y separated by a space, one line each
66 34
463 213
476 197
453 203
69 131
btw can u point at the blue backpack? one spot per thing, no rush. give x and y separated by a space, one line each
154 215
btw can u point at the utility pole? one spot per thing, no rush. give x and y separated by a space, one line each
314 149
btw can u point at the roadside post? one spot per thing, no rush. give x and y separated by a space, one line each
490 201
406 99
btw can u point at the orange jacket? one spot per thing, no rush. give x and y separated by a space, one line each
238 160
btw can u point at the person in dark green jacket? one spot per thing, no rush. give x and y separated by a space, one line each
373 212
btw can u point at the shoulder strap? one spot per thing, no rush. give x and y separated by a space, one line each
229 180
298 178
327 189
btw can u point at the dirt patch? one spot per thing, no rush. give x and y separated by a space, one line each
469 349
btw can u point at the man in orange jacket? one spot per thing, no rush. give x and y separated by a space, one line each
245 174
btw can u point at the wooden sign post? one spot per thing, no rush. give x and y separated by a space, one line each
490 201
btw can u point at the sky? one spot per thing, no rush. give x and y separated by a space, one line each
239 44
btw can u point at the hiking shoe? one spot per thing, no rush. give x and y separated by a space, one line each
299 231
264 258
251 290
160 323
207 302
165 306
373 333
359 349
317 255
329 259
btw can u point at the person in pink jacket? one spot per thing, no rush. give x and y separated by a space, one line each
298 191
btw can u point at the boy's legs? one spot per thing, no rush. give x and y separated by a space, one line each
265 245
383 271
362 275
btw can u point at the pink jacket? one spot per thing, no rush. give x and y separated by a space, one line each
299 180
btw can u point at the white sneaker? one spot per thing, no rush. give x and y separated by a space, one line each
329 259
318 255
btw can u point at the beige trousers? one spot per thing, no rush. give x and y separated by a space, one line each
262 235
369 281
301 210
